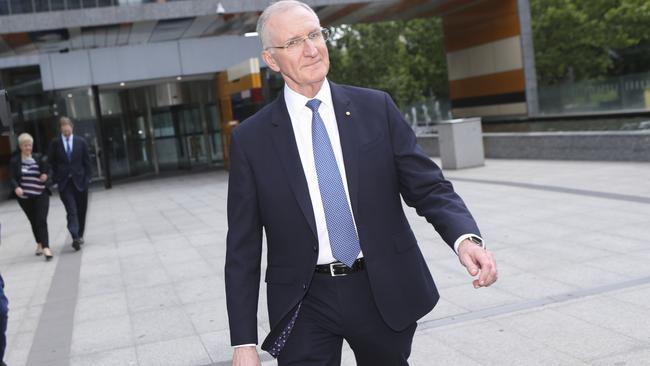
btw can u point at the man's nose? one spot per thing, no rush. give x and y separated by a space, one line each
309 48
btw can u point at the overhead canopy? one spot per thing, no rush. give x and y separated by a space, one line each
131 24
488 43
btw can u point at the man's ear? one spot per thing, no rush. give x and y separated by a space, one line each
270 61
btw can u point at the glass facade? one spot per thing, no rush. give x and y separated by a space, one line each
127 137
625 93
9 7
145 134
31 108
141 130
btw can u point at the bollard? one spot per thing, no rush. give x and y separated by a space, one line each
461 143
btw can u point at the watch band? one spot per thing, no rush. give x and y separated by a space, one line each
477 240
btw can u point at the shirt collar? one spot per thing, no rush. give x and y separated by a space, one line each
64 138
295 101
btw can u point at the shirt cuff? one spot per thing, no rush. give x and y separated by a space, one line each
244 345
460 240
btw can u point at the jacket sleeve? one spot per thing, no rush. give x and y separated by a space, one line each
243 248
43 164
88 169
52 159
14 171
44 167
423 185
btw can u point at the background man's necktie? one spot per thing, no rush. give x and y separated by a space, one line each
68 151
340 226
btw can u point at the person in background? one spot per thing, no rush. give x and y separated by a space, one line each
28 179
71 170
4 311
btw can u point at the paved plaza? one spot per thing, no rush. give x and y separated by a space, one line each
571 240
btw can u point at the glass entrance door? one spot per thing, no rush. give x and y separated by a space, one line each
126 134
165 133
189 120
179 138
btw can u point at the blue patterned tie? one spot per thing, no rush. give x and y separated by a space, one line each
68 151
340 226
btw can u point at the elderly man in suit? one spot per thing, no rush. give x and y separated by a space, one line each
70 162
322 171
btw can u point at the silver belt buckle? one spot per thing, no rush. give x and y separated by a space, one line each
334 265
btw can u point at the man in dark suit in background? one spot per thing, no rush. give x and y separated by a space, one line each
322 171
70 161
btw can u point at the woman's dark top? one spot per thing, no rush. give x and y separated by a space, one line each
26 173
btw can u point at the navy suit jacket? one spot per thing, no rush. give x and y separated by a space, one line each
268 190
77 169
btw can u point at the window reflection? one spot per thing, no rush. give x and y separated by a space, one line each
4 7
57 4
20 6
41 5
8 7
73 4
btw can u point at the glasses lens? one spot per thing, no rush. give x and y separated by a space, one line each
294 43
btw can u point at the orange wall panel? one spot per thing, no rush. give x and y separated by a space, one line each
16 40
482 23
493 84
227 88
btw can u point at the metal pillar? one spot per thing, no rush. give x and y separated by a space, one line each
100 138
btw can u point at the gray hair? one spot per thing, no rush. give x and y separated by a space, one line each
25 137
276 7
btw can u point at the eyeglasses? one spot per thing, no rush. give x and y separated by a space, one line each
296 43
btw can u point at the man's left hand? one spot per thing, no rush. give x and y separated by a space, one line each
478 261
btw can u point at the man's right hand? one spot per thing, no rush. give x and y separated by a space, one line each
246 356
19 192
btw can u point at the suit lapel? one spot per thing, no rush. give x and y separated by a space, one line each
284 141
345 118
62 149
76 148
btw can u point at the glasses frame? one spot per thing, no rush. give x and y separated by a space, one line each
297 43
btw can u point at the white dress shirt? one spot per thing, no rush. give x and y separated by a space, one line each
301 117
68 141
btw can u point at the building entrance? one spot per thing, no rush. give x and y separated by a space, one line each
131 130
179 140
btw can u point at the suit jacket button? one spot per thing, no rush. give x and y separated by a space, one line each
315 248
304 286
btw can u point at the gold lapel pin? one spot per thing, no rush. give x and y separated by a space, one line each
347 113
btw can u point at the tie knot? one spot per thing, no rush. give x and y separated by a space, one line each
313 105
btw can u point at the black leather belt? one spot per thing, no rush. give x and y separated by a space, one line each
339 269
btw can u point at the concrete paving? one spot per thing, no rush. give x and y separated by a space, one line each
572 242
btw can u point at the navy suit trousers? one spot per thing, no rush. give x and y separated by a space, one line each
4 310
76 204
337 308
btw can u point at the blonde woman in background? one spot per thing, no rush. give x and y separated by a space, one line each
28 180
